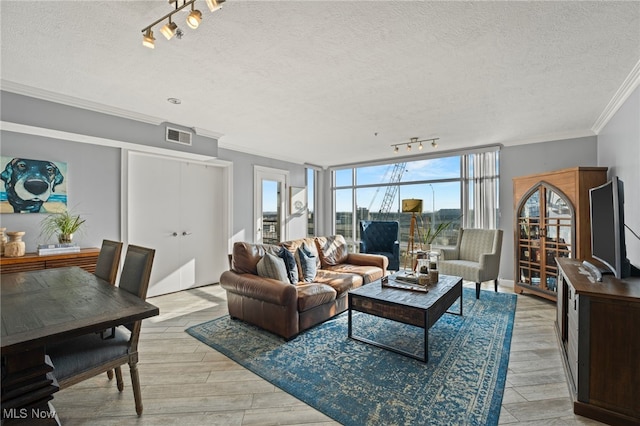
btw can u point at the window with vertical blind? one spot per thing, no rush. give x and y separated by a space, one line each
461 188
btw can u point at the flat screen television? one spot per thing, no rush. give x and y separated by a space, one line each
607 227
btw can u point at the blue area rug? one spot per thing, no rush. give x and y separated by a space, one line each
357 384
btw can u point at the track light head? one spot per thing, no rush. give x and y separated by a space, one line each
395 150
148 40
169 30
194 18
214 4
420 147
434 144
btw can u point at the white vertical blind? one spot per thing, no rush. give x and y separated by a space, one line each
485 189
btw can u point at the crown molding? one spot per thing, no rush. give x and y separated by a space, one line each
207 133
628 86
257 152
8 126
551 137
46 95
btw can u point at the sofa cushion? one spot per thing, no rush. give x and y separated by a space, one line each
333 250
313 294
272 266
307 264
368 273
247 255
294 245
291 265
340 282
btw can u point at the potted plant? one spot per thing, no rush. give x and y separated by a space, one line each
429 233
63 225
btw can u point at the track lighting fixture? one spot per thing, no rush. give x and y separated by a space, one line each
414 141
170 29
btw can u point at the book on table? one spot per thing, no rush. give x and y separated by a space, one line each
45 249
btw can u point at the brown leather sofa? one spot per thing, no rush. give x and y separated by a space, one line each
284 308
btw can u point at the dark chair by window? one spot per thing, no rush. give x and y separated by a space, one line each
108 261
381 237
81 358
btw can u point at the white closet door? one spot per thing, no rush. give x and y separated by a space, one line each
201 202
176 207
154 211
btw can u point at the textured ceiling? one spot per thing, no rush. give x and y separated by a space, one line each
314 82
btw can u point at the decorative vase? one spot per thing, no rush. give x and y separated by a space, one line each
3 240
65 238
15 247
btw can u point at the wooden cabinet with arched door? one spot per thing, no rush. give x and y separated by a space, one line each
552 221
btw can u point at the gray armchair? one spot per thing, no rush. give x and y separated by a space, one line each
381 237
476 256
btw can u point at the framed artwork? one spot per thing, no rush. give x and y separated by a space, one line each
32 186
297 199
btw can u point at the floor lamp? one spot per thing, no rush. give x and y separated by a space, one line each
412 206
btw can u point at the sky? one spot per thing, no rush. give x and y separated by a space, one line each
435 196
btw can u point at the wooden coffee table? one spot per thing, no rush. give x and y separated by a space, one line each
409 307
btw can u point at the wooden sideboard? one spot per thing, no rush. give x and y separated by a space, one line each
598 325
86 259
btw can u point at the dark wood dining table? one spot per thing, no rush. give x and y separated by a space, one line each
46 306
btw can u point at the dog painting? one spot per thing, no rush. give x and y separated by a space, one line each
32 186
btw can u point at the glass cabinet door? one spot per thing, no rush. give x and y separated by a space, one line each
558 241
546 228
529 241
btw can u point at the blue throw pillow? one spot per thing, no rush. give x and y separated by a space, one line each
308 264
290 263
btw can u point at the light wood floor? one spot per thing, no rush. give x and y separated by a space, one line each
184 382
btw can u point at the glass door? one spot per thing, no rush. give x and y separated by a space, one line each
270 185
271 225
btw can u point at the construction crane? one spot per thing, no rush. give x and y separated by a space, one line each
392 189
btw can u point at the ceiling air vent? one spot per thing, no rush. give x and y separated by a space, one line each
178 136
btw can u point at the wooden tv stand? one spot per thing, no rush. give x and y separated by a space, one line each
598 325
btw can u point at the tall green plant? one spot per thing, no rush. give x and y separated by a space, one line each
429 234
63 223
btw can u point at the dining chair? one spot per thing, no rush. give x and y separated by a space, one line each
108 261
81 358
107 269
